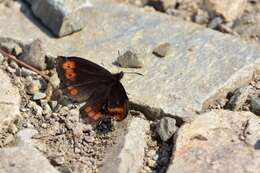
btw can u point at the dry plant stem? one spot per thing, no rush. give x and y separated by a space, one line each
13 58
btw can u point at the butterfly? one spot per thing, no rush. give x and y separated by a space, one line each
102 92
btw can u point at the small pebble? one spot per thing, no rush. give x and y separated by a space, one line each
255 104
57 161
129 60
38 96
14 65
162 50
10 69
214 23
151 153
1 58
46 107
26 72
151 163
10 138
33 86
77 150
65 169
37 110
53 104
12 128
44 125
89 139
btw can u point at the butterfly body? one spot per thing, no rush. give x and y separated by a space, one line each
85 81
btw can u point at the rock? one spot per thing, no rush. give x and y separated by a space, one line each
213 143
252 131
33 86
201 17
238 99
2 58
130 150
214 23
12 129
59 160
255 104
23 137
9 101
129 60
10 70
53 104
24 72
190 80
8 139
21 159
248 26
11 46
34 54
37 110
162 50
89 139
38 96
228 9
46 107
70 16
166 128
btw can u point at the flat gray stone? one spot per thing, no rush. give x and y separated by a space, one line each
128 154
63 17
205 65
9 100
24 159
218 141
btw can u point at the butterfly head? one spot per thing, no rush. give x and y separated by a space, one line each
119 76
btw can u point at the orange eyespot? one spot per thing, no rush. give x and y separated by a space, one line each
69 65
94 115
70 74
116 110
117 113
88 109
72 91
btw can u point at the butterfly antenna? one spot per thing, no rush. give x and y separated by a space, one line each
134 73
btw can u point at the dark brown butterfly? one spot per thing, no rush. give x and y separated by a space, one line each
85 81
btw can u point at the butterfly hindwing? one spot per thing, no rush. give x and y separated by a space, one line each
95 104
117 104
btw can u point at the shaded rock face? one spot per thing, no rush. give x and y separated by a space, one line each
217 142
62 17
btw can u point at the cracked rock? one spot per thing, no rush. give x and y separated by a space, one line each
217 142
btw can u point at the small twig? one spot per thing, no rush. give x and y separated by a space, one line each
9 56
